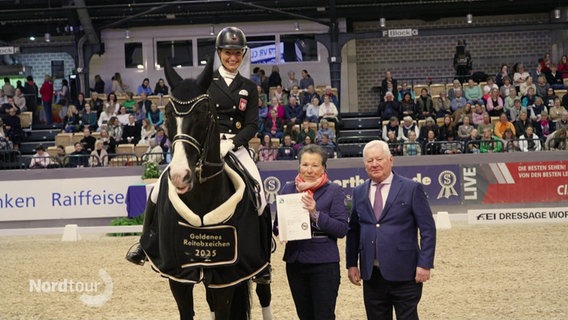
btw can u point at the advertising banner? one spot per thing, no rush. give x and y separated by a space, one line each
517 215
515 182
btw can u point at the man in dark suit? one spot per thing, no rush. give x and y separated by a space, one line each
388 211
131 133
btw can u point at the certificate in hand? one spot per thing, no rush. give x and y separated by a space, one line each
293 219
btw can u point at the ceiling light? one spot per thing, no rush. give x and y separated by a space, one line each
127 34
557 13
32 38
383 22
47 37
297 26
212 30
469 18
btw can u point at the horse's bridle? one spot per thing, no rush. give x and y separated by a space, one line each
191 141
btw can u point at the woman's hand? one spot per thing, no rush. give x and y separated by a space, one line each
309 203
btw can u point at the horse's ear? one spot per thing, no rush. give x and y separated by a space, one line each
206 76
172 76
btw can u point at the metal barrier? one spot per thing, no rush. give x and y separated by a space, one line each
444 147
10 159
352 146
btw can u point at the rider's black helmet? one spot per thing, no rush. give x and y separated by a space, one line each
231 38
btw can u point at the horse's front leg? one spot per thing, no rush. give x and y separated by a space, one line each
232 303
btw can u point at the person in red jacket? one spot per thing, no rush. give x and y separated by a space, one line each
46 92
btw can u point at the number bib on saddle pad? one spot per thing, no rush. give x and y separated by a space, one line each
207 246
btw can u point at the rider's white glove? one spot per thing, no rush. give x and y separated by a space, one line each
226 146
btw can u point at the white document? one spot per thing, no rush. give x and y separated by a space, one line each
293 220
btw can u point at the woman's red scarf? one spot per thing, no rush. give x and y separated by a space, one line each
310 187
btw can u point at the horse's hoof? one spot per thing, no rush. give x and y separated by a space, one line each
136 255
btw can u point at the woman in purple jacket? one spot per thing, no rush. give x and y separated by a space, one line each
312 265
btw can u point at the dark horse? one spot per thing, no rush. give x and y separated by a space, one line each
203 224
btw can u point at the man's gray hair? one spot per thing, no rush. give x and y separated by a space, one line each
375 144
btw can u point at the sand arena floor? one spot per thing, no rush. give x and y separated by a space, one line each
482 273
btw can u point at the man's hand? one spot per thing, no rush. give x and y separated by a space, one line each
354 275
422 275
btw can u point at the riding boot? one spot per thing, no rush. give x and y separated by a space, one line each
136 255
267 313
264 276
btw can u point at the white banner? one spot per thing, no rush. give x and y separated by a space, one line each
517 215
64 198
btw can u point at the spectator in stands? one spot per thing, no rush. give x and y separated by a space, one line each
529 98
458 101
295 92
529 141
405 88
539 71
161 89
88 140
472 143
290 82
109 142
97 104
389 84
537 108
450 146
118 87
112 101
305 130
144 87
395 144
123 115
155 153
265 151
563 66
389 107
80 103
163 141
264 82
262 116
5 143
262 97
486 123
542 86
510 142
46 92
477 115
78 158
155 116
446 127
505 89
464 130
71 119
442 106
490 143
522 123
408 125
286 150
273 126
312 111
105 117
274 79
280 95
557 140
525 86
309 95
500 77
452 91
59 158
13 128
144 104
503 125
550 97
488 88
495 103
521 76
129 103
99 85
306 80
31 91
278 107
9 104
131 132
460 114
430 145
307 141
555 111
324 129
327 145
332 97
429 124
140 114
328 110
255 77
408 107
294 112
20 100
99 156
88 118
41 160
424 105
8 88
473 93
148 131
392 125
544 126
563 122
509 102
411 147
64 94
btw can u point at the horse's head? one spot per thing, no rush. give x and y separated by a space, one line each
191 124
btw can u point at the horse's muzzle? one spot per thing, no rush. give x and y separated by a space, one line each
181 180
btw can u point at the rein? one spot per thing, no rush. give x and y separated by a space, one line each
191 141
